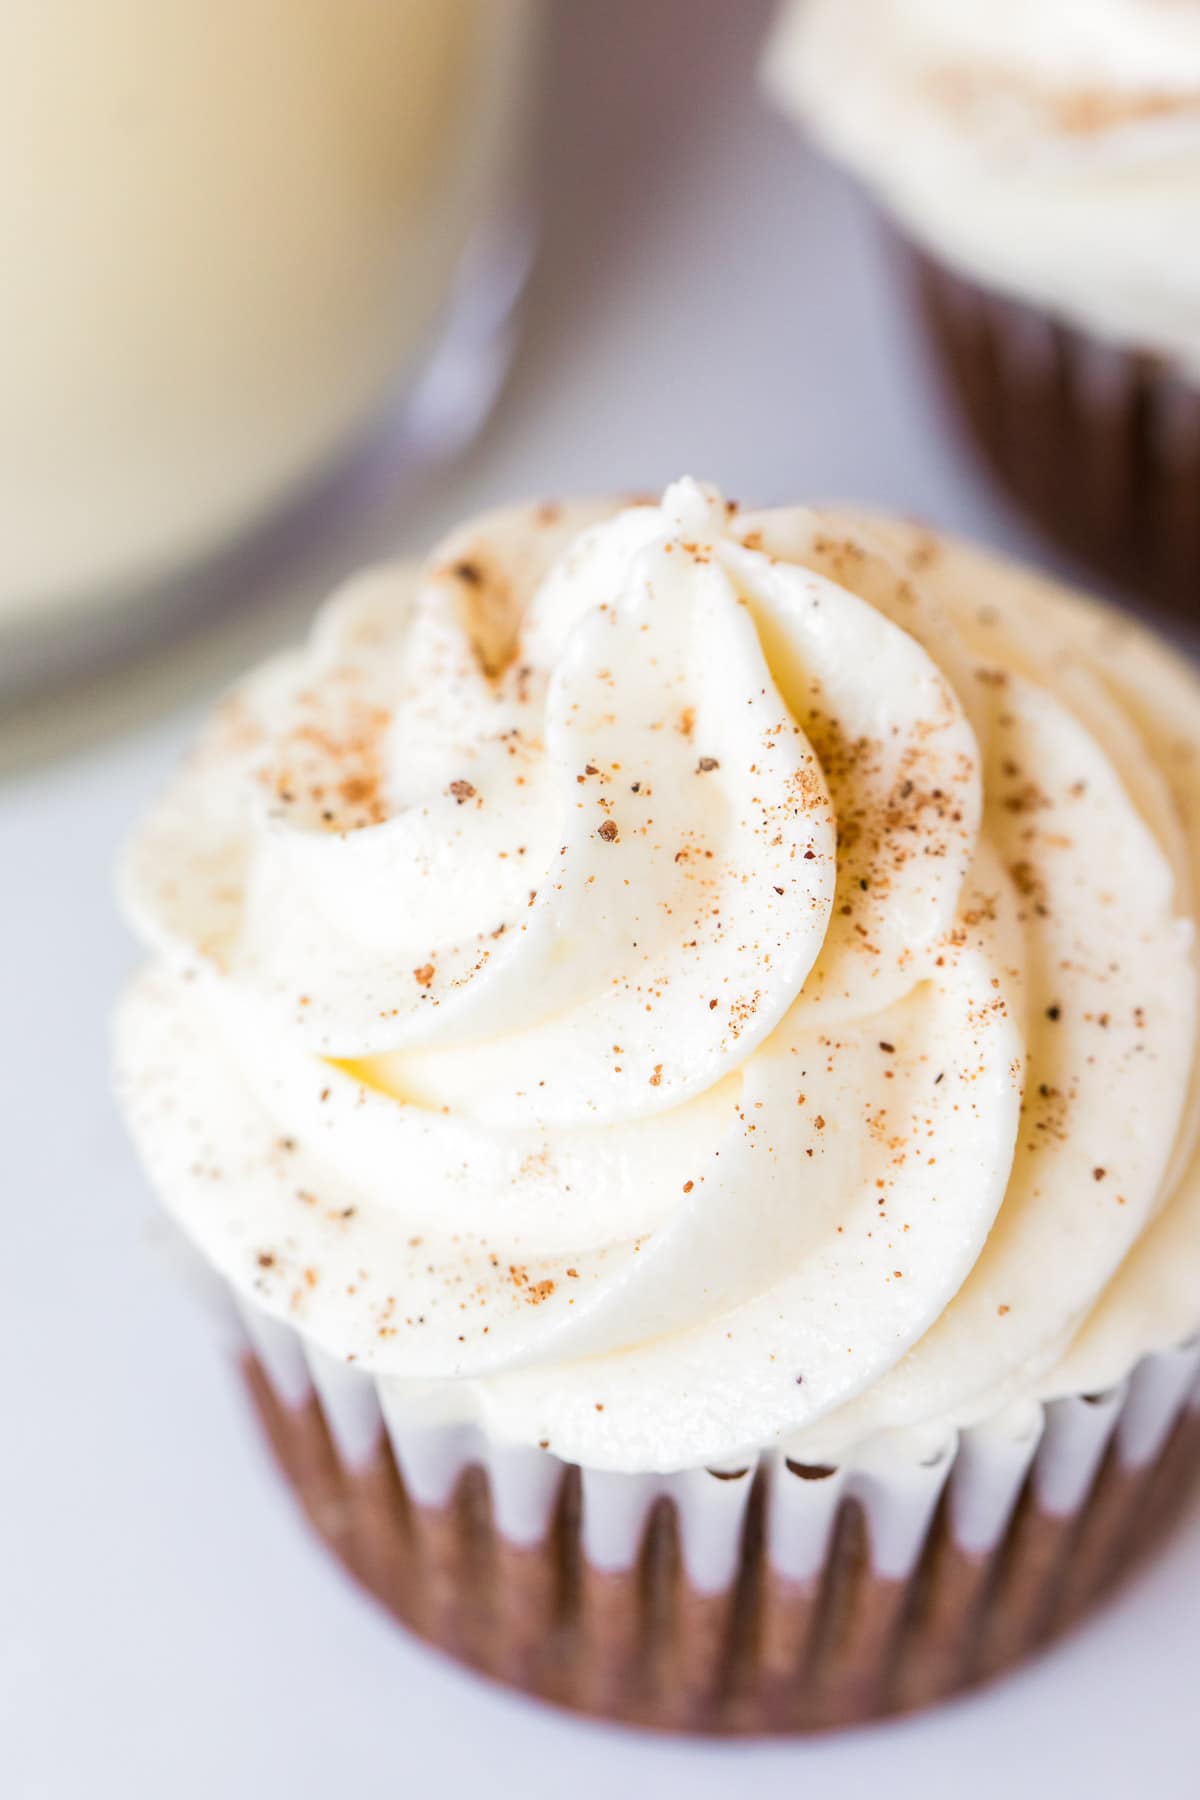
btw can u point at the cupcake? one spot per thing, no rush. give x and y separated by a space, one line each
1041 162
676 1027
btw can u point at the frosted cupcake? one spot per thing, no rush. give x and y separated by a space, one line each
677 1028
1041 159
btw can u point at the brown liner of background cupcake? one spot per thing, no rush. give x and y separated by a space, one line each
765 1654
1100 445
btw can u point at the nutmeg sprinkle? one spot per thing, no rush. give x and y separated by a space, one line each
563 998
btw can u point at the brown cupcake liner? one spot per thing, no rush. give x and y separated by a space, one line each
783 1598
1099 444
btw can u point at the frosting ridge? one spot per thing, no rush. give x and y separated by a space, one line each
656 972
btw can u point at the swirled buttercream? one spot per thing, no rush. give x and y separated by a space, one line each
671 978
1047 148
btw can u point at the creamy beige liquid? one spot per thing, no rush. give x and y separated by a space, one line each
225 227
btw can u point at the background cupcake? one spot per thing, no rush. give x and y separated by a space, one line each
681 1044
1041 161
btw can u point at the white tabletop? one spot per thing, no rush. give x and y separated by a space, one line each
708 300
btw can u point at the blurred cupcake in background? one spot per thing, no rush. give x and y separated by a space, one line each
1041 160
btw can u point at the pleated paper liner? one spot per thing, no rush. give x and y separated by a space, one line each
1100 445
782 1598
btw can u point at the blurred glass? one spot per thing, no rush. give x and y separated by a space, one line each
233 233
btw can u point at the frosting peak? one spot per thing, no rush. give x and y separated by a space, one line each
641 967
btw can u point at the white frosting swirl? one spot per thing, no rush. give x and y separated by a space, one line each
1047 148
655 977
